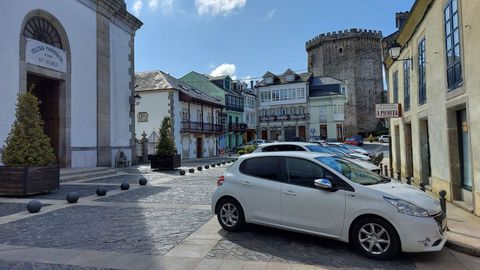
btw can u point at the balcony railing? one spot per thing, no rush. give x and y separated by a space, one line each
283 117
190 126
237 127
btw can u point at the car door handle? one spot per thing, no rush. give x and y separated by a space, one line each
246 183
289 193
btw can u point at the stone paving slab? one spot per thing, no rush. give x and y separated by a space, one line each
82 190
11 208
133 230
277 246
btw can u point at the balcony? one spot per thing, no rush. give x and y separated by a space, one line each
338 117
290 117
190 126
237 127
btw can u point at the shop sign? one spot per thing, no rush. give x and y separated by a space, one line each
388 110
44 55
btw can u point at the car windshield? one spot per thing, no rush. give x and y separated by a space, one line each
319 149
336 151
352 171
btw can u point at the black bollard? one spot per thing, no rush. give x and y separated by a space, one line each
422 186
386 170
409 180
443 200
381 166
207 166
399 177
199 168
191 170
182 172
391 173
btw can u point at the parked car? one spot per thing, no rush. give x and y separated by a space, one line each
316 139
352 154
295 139
359 139
384 138
256 142
313 147
351 141
355 149
327 196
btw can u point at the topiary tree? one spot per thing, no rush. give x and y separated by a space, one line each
166 145
27 144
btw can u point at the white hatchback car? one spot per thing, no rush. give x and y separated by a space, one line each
328 196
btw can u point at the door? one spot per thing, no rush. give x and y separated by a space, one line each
260 186
339 132
301 132
323 132
264 135
289 133
307 207
464 149
199 147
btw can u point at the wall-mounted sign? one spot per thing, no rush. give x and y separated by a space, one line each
142 117
388 110
44 55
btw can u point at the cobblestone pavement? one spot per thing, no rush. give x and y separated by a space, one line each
259 243
82 190
11 265
11 208
126 229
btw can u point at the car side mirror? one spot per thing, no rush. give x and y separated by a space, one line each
323 184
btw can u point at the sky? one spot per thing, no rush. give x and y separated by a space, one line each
246 38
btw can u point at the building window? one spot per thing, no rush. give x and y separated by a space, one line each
276 95
422 65
452 40
265 96
406 85
40 29
290 78
268 80
300 93
395 87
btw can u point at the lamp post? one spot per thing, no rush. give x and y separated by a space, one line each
394 51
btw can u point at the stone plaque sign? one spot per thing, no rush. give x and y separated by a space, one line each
388 110
44 55
142 117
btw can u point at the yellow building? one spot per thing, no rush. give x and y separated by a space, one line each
436 79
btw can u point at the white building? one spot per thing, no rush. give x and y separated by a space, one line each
76 56
198 120
249 109
283 108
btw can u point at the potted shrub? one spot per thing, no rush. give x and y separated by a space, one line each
30 164
166 157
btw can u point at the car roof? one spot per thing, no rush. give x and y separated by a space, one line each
287 143
301 154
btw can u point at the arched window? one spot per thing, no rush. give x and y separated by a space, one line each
41 29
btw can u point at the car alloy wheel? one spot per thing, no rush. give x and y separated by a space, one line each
229 215
374 239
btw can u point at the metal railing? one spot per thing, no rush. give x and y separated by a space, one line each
190 126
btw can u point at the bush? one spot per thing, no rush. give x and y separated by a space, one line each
241 152
27 144
166 145
249 149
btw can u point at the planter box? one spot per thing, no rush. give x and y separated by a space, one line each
22 181
165 162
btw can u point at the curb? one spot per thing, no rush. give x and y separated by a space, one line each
463 248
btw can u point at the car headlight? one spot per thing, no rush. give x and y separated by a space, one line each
407 208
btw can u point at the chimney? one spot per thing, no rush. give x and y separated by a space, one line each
401 18
251 84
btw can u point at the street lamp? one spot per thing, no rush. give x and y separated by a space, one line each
394 52
137 98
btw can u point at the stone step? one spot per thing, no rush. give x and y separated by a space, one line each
85 173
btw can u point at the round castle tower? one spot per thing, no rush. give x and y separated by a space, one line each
354 56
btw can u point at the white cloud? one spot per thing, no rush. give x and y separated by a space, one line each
137 7
165 5
270 14
224 69
218 7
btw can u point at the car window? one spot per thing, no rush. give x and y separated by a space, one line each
352 171
303 172
319 149
262 167
282 147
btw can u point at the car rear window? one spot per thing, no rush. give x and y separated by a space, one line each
262 167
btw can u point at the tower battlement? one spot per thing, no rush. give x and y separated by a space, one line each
343 34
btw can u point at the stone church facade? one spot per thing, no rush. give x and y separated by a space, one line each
355 57
77 57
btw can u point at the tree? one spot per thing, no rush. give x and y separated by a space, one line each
166 145
27 144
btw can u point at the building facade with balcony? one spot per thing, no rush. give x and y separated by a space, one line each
234 108
435 79
283 107
249 109
326 103
198 121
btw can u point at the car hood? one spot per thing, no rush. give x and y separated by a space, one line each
364 164
397 190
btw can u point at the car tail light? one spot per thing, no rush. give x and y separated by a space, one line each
220 180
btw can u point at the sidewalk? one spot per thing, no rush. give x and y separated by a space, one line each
464 231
